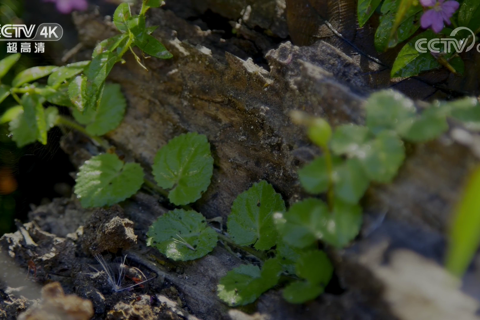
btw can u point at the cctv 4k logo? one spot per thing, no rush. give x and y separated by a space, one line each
22 32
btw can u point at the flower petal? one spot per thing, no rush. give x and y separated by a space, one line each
428 3
437 24
450 7
427 19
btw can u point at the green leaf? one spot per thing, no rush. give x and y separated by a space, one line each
32 74
469 15
182 235
288 256
302 222
347 139
351 181
301 291
382 157
184 165
314 176
365 9
244 284
341 226
7 63
315 267
319 131
105 180
153 3
310 220
11 114
64 73
4 92
410 62
120 17
250 221
428 126
109 113
387 109
60 96
407 9
99 69
464 237
407 27
152 46
110 44
51 116
77 92
466 110
30 125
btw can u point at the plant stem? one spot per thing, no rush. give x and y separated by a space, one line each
330 194
15 96
63 121
259 255
154 187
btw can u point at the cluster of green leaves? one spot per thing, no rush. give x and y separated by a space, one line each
100 107
400 21
184 164
355 155
184 235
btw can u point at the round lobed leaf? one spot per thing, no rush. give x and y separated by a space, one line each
182 235
315 267
348 138
105 180
251 219
303 222
387 109
382 157
246 283
301 291
310 220
185 166
351 181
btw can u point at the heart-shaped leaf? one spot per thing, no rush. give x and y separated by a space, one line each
105 180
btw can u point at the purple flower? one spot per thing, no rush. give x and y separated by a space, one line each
440 12
67 6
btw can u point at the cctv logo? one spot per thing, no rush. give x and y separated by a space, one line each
15 30
22 32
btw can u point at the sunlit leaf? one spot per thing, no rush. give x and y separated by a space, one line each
410 62
382 157
152 46
64 73
185 166
32 74
244 284
109 113
4 92
387 109
121 15
105 180
464 237
250 221
7 63
182 235
30 125
11 114
347 139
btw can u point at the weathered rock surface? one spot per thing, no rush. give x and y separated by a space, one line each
240 96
